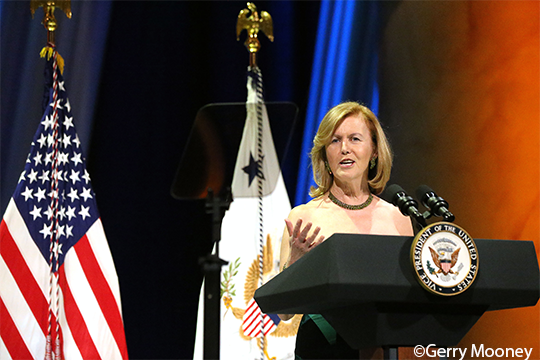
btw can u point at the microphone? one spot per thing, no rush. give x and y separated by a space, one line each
436 204
407 205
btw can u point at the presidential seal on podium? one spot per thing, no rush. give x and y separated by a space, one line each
444 258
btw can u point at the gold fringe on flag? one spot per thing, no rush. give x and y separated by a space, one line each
48 52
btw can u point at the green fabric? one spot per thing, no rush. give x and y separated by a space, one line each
328 331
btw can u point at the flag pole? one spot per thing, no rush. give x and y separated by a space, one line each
250 20
53 346
253 22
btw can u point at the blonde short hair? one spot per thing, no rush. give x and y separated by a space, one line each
378 176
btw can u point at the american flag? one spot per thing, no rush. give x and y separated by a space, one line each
59 292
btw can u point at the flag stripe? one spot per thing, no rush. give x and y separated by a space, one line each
251 325
100 287
252 306
102 253
4 354
76 323
251 317
89 307
27 247
23 277
24 324
71 351
15 344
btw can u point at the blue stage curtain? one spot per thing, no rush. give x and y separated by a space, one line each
81 42
344 68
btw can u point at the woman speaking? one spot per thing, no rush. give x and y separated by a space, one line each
351 161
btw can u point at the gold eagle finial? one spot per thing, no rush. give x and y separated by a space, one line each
253 22
49 21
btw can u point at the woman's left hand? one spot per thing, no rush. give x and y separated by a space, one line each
300 242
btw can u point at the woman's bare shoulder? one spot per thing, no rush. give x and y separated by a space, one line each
385 206
305 211
402 222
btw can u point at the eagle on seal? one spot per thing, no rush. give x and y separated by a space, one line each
443 261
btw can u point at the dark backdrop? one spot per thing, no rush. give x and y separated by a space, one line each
163 61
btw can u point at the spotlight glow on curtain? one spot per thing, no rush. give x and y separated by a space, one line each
340 53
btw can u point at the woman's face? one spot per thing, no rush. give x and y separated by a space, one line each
350 150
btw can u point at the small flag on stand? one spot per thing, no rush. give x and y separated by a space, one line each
59 292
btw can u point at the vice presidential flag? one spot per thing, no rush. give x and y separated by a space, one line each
59 293
250 241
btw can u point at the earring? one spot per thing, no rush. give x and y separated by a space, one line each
372 163
328 167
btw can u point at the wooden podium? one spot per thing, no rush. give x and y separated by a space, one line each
365 287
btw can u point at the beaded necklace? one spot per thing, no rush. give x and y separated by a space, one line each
361 206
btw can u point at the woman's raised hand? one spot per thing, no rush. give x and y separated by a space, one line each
301 241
